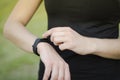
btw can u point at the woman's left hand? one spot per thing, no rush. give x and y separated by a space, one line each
67 38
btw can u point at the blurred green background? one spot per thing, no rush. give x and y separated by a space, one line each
16 64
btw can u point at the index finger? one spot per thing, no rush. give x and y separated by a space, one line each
47 33
67 73
56 29
47 72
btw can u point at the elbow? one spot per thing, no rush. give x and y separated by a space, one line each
6 30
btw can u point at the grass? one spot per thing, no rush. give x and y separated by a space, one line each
16 64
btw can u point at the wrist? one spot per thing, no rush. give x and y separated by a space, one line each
96 44
92 45
37 42
42 46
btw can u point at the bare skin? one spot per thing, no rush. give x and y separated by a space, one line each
16 32
67 38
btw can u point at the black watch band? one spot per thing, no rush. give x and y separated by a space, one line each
35 46
37 41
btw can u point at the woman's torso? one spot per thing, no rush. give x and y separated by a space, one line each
96 18
93 18
89 18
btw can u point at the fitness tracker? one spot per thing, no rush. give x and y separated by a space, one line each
37 41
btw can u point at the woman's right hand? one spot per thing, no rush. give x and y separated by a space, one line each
54 64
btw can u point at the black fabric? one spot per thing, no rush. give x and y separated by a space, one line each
92 18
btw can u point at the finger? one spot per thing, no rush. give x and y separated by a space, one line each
57 34
47 72
47 33
67 73
55 72
58 41
61 73
63 46
56 29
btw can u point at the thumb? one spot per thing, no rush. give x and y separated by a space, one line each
47 33
63 46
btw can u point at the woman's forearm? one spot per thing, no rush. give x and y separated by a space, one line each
67 38
108 48
19 35
15 29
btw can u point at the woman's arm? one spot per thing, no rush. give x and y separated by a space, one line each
108 48
16 32
67 38
15 29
